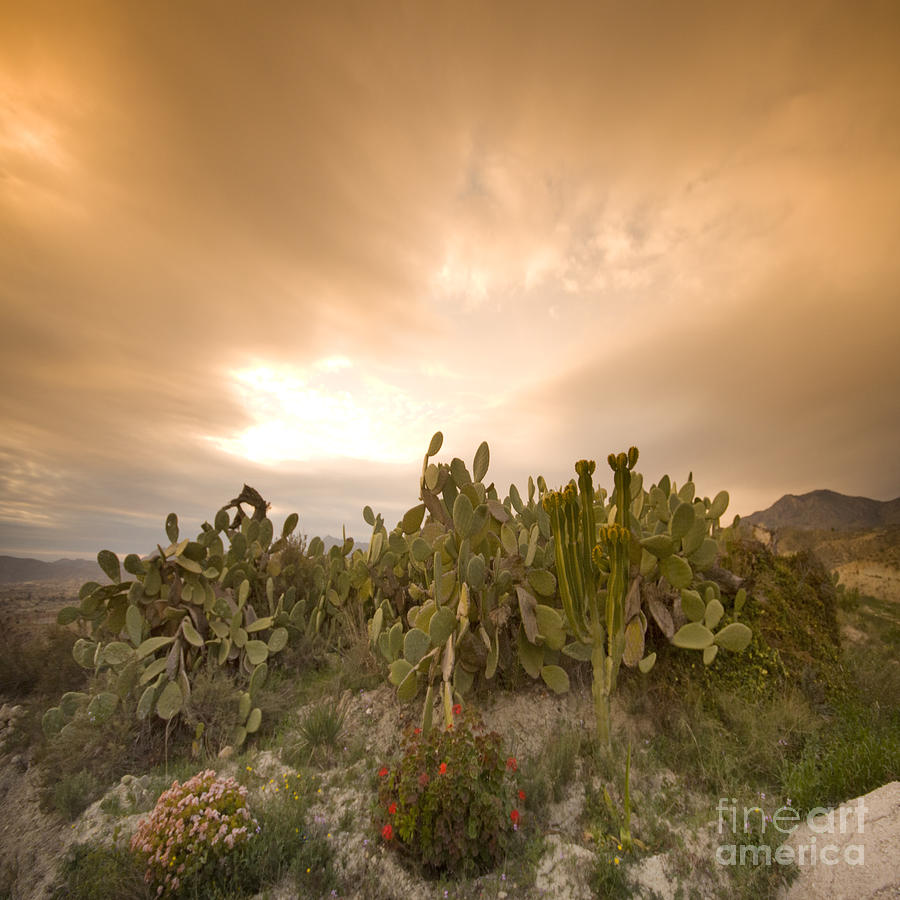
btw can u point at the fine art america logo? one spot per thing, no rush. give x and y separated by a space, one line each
784 821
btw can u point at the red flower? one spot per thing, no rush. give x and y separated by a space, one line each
387 832
417 730
457 709
521 795
512 764
514 815
382 772
392 808
443 769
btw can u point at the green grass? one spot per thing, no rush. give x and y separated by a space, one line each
857 752
547 778
318 734
857 746
287 845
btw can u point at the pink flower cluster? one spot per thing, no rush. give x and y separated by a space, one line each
192 825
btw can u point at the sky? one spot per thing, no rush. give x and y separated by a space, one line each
282 244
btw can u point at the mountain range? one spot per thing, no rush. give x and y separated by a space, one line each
15 570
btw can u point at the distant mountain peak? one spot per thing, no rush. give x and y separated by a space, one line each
826 509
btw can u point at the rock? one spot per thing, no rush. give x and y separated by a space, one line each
851 851
649 878
226 752
565 870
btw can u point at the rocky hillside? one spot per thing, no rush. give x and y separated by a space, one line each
856 537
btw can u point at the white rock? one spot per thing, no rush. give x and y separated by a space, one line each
852 851
565 870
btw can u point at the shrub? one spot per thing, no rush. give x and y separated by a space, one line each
104 750
94 870
73 794
39 664
452 802
193 832
213 704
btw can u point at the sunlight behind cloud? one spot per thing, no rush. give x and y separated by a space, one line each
326 411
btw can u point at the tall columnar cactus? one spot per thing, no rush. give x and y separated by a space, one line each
654 545
586 557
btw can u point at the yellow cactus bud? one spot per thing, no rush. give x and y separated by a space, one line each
613 534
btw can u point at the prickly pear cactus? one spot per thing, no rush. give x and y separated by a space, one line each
209 600
469 586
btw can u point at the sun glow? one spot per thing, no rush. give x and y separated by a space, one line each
325 411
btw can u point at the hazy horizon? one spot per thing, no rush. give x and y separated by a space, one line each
283 246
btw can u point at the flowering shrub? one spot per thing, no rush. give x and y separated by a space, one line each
451 803
193 831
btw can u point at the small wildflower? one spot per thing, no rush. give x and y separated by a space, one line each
443 768
457 709
514 816
387 832
382 771
392 809
616 860
511 764
521 795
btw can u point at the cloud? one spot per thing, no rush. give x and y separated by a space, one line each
562 229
